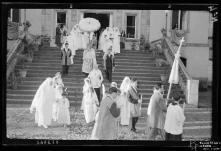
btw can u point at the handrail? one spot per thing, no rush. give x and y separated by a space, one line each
12 58
12 51
183 68
155 41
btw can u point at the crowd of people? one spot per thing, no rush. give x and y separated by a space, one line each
107 109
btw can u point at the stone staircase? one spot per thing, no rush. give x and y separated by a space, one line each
128 63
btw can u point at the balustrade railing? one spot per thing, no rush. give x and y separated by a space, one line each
169 53
18 47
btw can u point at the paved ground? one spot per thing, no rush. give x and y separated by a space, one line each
20 124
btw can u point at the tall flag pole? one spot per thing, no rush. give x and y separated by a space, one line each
174 74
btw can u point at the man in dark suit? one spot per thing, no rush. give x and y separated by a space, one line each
65 59
135 99
109 63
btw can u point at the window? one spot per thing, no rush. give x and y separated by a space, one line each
131 26
178 19
9 13
61 18
210 39
13 14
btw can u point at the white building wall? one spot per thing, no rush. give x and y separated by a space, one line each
197 61
199 27
157 22
34 16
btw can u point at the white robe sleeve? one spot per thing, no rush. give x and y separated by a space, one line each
180 116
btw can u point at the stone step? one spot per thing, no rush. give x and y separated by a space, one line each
118 68
72 95
142 121
73 85
77 76
193 132
120 62
128 53
79 66
98 56
203 114
76 72
27 102
148 83
71 88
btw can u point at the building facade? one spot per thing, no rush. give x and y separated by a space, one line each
195 24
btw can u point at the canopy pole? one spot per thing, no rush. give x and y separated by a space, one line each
168 94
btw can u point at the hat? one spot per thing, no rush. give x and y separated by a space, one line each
113 89
113 84
58 74
176 96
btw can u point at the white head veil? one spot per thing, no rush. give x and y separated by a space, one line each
47 83
125 85
87 84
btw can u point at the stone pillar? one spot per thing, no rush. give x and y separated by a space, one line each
193 92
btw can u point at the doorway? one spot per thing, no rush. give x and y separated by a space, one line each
104 20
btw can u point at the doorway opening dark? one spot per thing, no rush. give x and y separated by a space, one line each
102 18
183 60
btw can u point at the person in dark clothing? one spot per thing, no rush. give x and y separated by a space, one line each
106 125
135 99
109 63
58 36
65 59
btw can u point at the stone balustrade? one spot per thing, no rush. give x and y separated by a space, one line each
187 84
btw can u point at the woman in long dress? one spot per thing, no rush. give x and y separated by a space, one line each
93 136
125 104
43 102
116 41
90 102
63 114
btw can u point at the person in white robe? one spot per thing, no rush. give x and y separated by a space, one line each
116 40
93 136
96 80
78 37
101 39
89 60
58 96
174 120
89 102
156 113
125 109
63 114
43 102
85 39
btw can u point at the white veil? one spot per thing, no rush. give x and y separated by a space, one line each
125 85
86 85
37 98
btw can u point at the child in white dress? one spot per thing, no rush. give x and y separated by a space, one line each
63 114
89 102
